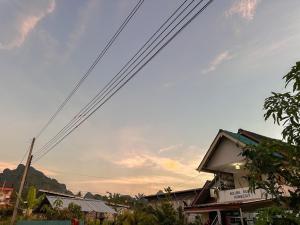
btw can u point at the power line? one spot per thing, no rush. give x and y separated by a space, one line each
99 57
23 157
118 88
94 101
92 111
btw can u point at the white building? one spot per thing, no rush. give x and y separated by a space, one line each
226 199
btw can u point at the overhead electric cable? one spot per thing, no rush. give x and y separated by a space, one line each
130 77
82 112
96 61
73 128
23 157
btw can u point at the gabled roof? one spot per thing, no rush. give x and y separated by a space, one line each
87 205
237 138
253 136
242 138
54 193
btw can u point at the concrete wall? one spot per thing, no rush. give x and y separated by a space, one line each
192 217
226 153
239 180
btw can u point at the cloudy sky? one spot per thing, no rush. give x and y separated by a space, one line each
154 133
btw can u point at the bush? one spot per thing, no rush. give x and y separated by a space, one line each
277 216
6 212
93 222
57 213
6 222
108 222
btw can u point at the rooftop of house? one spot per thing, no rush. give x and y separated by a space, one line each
6 184
241 139
53 193
253 136
6 189
117 205
87 205
194 191
247 137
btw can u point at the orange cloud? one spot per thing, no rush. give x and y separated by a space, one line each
245 8
170 148
219 59
27 24
143 160
139 184
7 165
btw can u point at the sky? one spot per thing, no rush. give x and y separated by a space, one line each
155 131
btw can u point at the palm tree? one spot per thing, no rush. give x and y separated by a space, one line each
32 201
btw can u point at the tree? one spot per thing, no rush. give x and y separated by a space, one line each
32 201
137 217
79 194
279 160
60 213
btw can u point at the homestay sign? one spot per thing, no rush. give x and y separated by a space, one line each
240 194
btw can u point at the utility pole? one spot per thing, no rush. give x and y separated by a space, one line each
29 158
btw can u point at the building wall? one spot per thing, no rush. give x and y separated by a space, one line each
176 200
191 217
239 180
5 196
226 153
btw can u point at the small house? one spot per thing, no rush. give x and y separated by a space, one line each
5 195
178 199
92 209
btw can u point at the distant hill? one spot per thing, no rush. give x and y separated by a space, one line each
35 178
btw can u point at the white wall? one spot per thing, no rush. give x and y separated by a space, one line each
226 153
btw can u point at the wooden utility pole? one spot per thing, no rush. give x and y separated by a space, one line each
27 166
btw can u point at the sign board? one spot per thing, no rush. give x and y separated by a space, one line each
240 194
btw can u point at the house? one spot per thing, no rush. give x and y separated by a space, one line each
54 193
226 199
92 209
119 208
5 195
177 198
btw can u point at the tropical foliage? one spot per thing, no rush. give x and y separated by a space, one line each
32 201
115 198
145 214
60 213
279 161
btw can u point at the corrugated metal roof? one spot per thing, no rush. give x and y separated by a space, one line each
174 193
87 205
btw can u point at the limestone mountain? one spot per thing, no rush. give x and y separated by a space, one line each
35 178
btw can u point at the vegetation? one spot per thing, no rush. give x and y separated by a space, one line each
32 201
5 214
279 161
60 213
116 198
162 214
